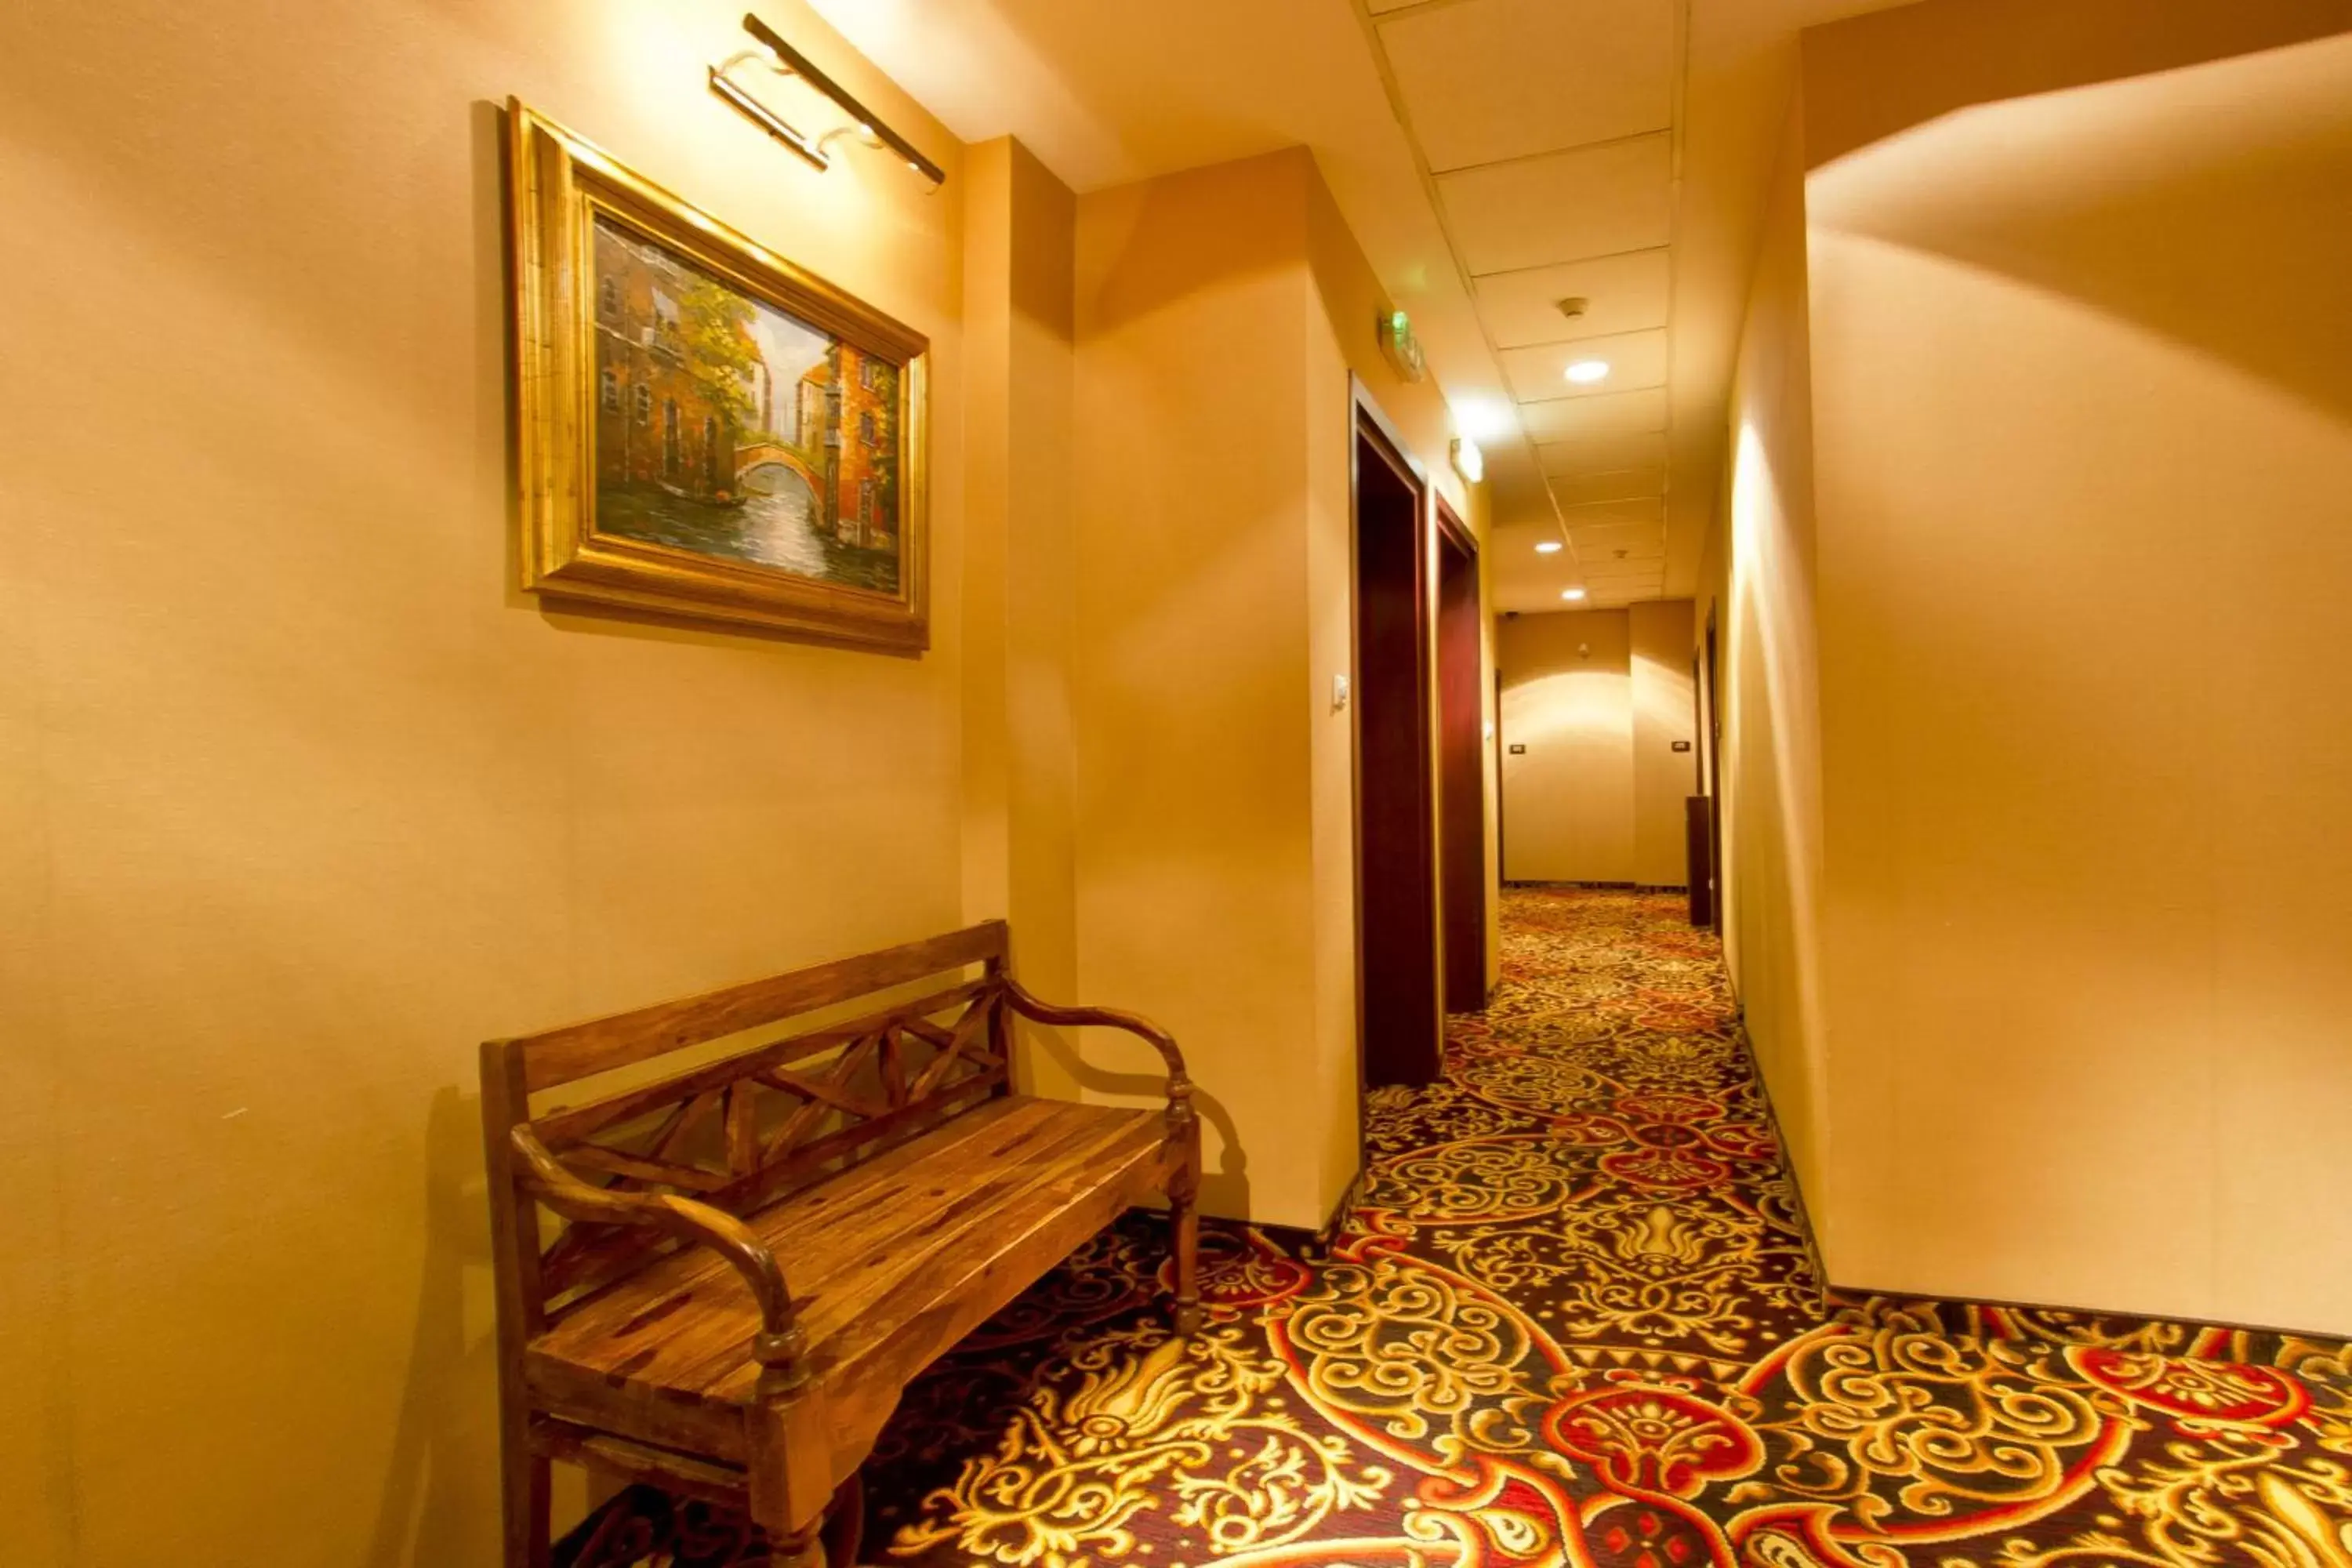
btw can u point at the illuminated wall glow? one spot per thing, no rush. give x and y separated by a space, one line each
1597 697
1770 769
2082 911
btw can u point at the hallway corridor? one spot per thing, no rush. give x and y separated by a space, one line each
1574 1319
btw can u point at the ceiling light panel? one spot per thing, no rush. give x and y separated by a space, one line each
1485 80
1621 293
1565 207
1636 360
1593 418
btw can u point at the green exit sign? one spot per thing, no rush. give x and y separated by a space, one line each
1398 344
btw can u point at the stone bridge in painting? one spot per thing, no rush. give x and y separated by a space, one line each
759 464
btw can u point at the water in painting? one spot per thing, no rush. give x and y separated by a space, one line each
726 428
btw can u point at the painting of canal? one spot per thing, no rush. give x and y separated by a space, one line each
731 429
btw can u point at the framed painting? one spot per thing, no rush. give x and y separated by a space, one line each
705 430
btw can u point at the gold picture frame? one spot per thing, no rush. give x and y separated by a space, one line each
704 429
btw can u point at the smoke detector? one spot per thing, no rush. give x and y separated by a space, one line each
1575 305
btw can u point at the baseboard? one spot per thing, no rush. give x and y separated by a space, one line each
1300 1241
2196 1339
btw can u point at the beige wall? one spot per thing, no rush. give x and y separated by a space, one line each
1992 849
1598 698
1020 740
1197 854
302 798
1215 780
1761 575
1568 799
2083 427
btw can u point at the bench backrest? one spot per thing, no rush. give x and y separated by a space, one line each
746 1129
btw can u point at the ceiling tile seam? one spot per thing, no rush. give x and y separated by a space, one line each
1577 261
1591 338
1430 193
1674 234
1675 131
1631 136
1563 440
1419 8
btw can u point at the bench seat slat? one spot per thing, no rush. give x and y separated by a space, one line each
869 1252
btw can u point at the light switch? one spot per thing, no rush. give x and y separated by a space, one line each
1338 694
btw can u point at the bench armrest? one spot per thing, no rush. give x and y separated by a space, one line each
1180 1084
779 1344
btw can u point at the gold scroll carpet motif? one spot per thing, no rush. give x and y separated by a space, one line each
1573 1319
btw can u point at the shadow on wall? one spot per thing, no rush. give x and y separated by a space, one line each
1228 1182
2159 200
442 1481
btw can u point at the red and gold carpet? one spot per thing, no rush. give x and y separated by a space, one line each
1574 1320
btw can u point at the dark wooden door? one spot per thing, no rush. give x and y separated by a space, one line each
1400 1018
1461 771
1714 781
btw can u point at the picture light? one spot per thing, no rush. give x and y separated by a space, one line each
785 60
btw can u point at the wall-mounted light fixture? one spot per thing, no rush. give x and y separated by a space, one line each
1468 460
781 58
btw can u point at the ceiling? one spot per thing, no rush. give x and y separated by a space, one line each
1493 158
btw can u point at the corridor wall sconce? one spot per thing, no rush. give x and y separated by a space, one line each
1468 460
865 126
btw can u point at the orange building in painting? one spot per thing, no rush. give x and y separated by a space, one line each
656 422
864 480
848 421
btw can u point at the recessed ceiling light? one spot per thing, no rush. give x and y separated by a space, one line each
1584 372
1571 593
1549 547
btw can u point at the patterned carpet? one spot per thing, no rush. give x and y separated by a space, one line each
1574 1320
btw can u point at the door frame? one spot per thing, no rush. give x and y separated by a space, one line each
1714 775
1451 533
1370 425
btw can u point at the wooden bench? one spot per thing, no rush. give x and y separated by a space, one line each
760 1251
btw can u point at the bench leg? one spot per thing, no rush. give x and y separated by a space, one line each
845 1523
1183 1195
526 1502
802 1549
834 1539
